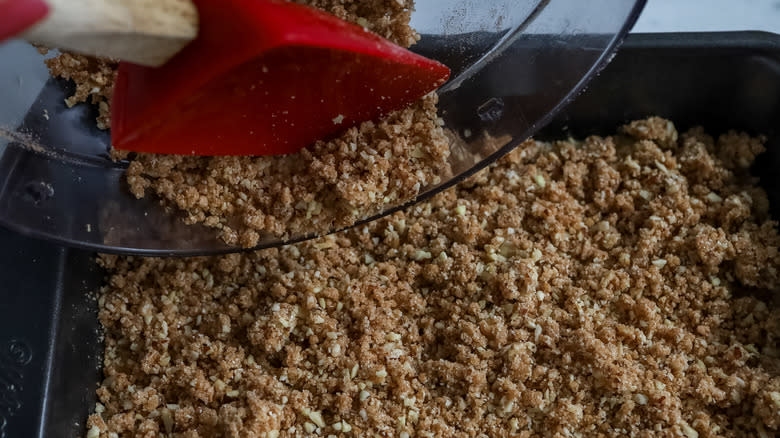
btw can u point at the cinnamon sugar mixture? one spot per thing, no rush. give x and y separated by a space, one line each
618 286
330 185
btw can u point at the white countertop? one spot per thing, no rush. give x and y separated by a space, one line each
709 15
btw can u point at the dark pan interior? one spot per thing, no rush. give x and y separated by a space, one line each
50 347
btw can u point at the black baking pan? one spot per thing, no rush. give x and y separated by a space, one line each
50 350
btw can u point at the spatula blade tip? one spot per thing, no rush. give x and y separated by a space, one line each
274 93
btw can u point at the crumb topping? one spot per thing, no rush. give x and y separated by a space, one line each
614 286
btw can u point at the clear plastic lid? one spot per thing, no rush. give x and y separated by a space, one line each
514 65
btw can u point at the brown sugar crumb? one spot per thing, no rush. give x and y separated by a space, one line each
330 185
609 287
94 79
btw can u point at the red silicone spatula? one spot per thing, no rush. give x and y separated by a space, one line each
262 77
18 15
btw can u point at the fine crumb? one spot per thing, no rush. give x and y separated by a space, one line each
584 306
327 186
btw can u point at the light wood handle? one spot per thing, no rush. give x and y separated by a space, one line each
147 32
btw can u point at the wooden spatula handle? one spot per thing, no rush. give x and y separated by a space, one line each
147 32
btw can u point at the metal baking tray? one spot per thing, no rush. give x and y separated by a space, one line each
50 349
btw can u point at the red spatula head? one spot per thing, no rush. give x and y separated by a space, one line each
264 78
17 15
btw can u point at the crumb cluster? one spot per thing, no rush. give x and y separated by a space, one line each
616 286
94 79
330 185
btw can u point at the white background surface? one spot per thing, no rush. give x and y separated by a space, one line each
709 15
